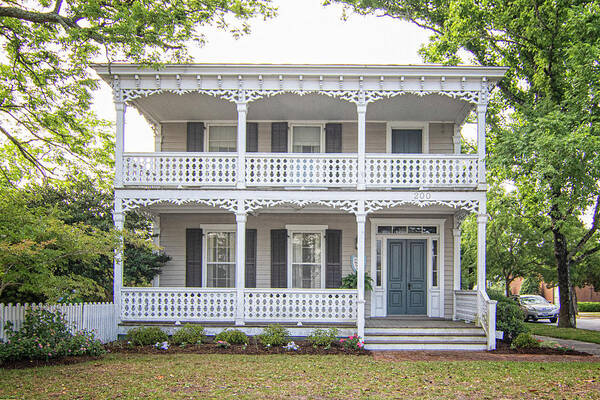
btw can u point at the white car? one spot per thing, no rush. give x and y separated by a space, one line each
537 307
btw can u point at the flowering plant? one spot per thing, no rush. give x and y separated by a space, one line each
162 345
223 344
353 342
291 346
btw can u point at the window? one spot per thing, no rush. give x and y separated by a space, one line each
306 139
306 259
434 263
222 138
412 229
220 260
378 271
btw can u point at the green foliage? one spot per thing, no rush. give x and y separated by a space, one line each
45 335
274 335
350 281
353 342
232 336
188 334
524 341
531 285
588 306
46 86
509 317
146 336
321 337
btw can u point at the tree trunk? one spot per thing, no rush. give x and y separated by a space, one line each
567 315
507 282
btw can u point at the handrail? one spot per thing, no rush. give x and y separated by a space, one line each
487 317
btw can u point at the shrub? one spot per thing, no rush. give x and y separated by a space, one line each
188 334
45 335
524 341
350 281
353 342
323 337
232 336
509 317
585 306
146 336
273 335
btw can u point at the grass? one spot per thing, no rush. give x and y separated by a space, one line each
584 335
186 376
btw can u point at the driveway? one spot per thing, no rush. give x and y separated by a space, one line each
591 323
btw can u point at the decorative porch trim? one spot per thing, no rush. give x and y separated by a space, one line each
376 205
130 204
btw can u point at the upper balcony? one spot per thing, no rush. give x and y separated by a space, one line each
303 127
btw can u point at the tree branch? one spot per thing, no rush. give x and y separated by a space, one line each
589 233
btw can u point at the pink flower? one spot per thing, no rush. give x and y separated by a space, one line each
342 340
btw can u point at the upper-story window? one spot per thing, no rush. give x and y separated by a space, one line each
222 138
307 139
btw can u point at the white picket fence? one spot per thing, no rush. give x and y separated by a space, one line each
97 317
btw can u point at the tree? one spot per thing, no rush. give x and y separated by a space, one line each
548 147
46 81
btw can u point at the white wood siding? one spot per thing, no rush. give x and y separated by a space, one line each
172 239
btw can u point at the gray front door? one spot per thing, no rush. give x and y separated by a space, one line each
407 278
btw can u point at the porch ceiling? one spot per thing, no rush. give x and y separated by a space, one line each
201 107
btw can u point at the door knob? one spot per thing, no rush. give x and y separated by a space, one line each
409 286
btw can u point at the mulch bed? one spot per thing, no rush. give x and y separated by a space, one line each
251 349
42 363
504 348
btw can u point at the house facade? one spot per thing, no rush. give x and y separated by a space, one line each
270 184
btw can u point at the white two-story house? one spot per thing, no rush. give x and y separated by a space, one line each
271 183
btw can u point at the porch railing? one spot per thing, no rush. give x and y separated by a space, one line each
220 304
300 170
476 306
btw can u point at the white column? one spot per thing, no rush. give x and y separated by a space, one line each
119 221
482 219
457 271
156 241
360 273
242 109
456 139
240 261
481 110
361 110
119 142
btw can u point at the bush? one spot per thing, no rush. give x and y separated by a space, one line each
146 336
45 335
586 306
274 335
188 334
323 337
232 336
525 341
509 317
353 342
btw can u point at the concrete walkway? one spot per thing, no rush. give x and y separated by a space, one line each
590 348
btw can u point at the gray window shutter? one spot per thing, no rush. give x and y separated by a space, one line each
333 138
193 257
407 141
195 136
251 258
333 257
279 137
279 258
252 137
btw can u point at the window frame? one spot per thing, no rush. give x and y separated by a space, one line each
209 125
291 230
221 228
319 125
423 126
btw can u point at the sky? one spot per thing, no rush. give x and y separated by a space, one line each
303 32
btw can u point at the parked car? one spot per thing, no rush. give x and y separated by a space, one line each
536 307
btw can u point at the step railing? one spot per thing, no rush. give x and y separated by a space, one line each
487 317
300 170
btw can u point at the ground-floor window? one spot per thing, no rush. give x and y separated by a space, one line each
307 259
220 262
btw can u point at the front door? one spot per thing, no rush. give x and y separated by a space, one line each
407 278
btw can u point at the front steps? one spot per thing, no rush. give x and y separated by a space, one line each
466 337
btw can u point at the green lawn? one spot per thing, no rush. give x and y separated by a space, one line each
584 335
218 376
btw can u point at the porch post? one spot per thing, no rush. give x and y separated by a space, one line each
457 267
456 139
361 218
120 108
119 221
242 109
156 241
482 219
481 110
240 259
361 109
